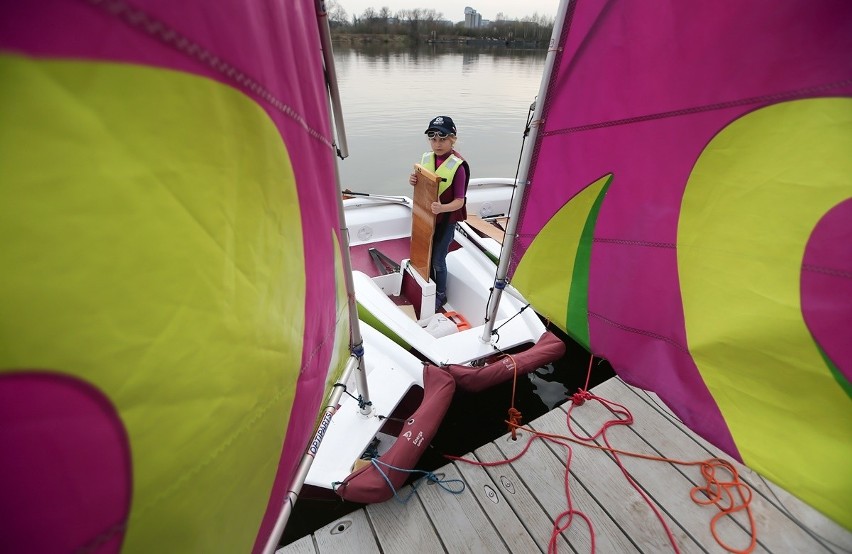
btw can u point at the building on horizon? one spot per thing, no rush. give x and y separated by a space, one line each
472 18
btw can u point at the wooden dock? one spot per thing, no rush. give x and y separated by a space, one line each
511 507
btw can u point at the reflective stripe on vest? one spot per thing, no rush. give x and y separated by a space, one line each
447 170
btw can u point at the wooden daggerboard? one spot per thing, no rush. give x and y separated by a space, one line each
423 220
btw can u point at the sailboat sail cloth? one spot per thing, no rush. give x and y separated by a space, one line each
170 299
689 217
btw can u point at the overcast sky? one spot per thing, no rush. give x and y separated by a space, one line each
454 9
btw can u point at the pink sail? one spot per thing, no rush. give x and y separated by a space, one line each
683 219
170 292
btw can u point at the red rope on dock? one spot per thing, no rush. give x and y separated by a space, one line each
723 487
569 513
514 414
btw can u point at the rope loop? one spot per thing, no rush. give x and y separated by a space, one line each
729 494
579 398
454 486
514 422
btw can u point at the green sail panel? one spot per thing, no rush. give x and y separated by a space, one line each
554 272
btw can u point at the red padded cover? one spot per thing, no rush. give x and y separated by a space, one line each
367 485
474 379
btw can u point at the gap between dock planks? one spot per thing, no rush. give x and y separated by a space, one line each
512 507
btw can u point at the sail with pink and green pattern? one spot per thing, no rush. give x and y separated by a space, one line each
171 286
689 218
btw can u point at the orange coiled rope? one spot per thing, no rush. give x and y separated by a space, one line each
729 496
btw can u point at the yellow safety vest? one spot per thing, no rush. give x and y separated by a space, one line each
446 172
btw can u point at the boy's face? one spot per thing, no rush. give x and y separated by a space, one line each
441 145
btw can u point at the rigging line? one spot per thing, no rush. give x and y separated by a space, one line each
488 302
766 492
519 312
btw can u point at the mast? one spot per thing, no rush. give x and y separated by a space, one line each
331 79
500 281
355 341
356 346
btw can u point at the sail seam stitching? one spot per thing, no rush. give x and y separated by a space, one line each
800 93
138 19
643 332
827 271
626 242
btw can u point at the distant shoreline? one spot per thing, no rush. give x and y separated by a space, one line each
355 39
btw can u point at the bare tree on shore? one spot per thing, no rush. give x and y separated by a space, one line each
418 23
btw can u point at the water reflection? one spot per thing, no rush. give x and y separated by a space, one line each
389 93
547 385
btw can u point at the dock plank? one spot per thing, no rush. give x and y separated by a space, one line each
543 472
403 527
305 545
534 513
492 500
461 524
351 533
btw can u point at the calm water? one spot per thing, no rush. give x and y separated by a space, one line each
388 98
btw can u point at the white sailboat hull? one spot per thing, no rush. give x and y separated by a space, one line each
391 373
379 220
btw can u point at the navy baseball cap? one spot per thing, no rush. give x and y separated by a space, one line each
443 124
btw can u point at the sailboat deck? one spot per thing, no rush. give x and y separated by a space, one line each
511 508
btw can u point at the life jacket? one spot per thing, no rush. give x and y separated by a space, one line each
447 172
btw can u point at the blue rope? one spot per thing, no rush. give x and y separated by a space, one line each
443 483
361 403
